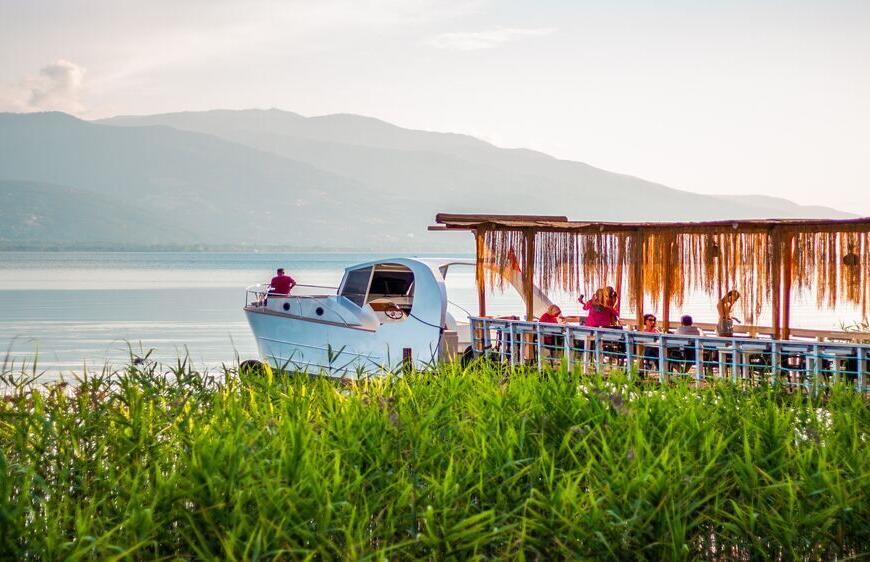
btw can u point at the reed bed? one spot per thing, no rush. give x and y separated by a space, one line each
451 463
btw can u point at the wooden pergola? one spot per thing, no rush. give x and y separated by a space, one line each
763 259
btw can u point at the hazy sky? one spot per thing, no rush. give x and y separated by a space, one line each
715 97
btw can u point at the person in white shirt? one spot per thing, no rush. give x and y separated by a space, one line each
685 356
688 328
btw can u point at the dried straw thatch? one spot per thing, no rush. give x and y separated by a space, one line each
833 260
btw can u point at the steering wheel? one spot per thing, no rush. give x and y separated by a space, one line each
394 313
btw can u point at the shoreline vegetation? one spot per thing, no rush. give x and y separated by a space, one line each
452 462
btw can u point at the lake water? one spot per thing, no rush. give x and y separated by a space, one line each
68 310
71 310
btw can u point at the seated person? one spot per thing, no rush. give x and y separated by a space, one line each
686 355
281 284
650 352
649 324
688 328
552 316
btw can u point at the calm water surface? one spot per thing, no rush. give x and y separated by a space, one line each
68 310
71 309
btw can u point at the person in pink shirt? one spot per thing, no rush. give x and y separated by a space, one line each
649 324
650 352
281 284
602 309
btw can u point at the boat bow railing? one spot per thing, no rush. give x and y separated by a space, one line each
791 362
256 295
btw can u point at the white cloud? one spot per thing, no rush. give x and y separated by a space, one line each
476 40
56 87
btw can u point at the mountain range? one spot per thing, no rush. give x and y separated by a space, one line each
276 178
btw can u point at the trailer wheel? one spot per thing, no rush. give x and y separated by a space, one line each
253 367
467 357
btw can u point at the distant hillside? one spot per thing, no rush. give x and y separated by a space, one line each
277 178
452 172
37 212
220 192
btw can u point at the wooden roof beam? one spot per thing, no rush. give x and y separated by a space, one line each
453 217
542 223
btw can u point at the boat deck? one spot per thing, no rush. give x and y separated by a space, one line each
797 363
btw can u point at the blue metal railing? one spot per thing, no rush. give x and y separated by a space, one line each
796 363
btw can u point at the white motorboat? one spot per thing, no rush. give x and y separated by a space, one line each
385 314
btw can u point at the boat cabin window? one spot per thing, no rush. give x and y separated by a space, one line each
387 288
356 285
391 283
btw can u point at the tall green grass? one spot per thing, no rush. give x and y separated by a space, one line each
451 463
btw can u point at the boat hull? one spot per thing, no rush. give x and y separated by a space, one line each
317 347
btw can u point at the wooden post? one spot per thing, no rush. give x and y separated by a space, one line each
620 258
407 360
637 273
529 275
666 286
775 240
529 290
637 276
479 273
788 250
